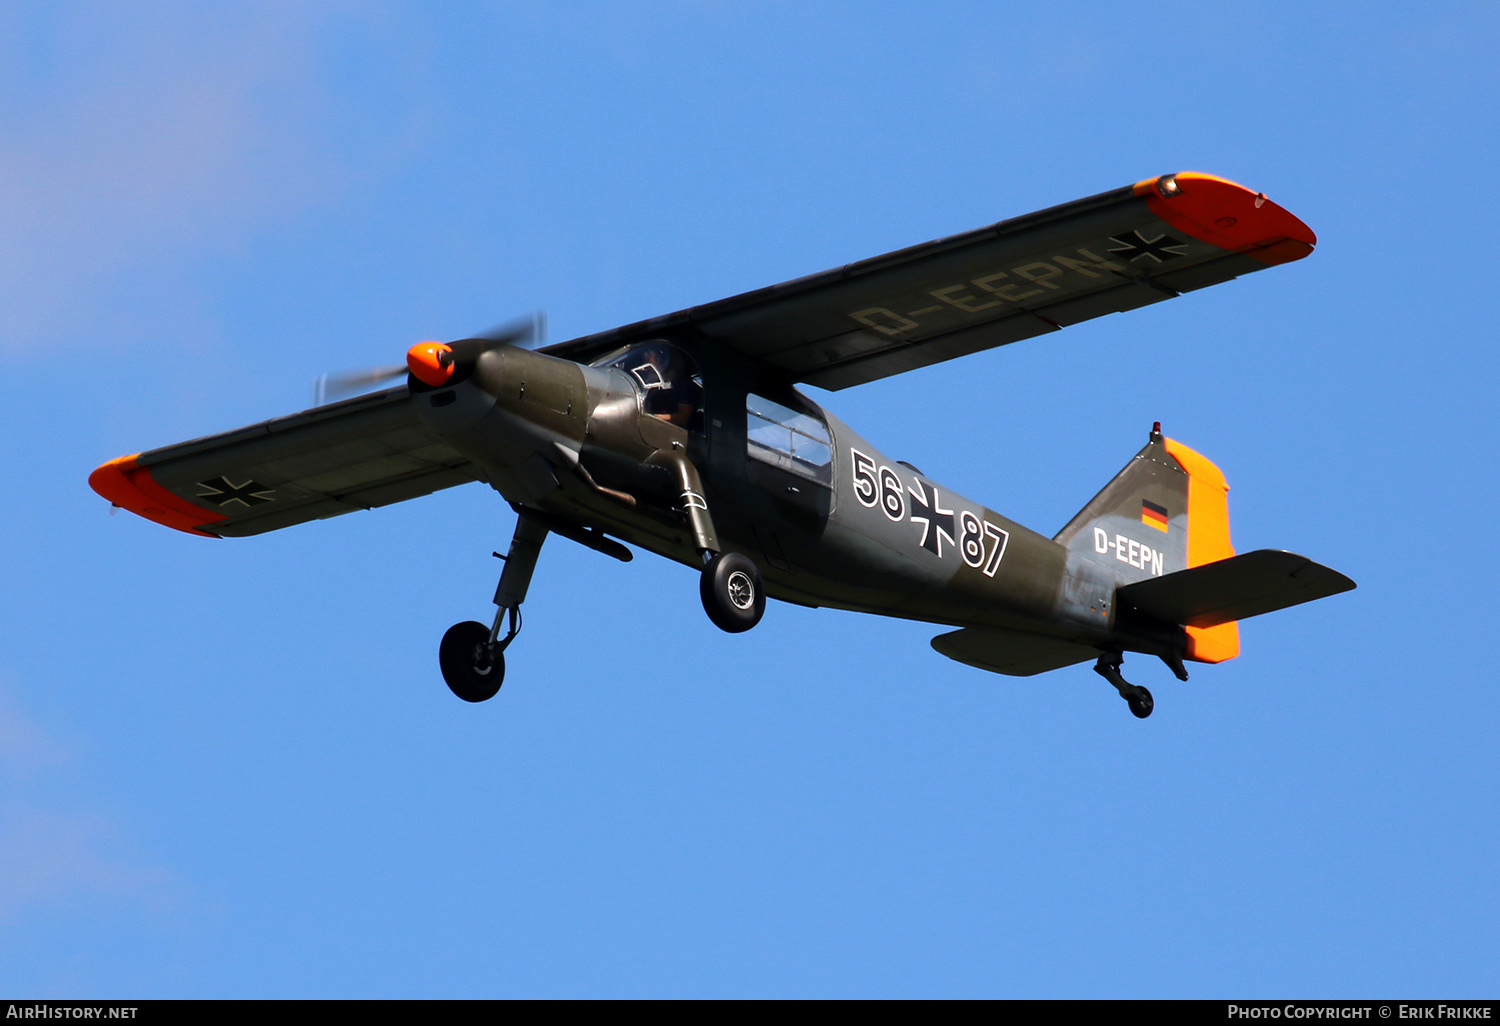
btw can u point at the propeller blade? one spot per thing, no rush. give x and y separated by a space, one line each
433 362
527 332
332 387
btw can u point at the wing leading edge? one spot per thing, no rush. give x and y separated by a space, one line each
1009 281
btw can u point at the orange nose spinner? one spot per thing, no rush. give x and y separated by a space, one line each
430 362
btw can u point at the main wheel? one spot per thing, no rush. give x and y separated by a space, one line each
472 669
733 596
1141 703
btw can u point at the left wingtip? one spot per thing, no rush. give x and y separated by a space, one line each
128 485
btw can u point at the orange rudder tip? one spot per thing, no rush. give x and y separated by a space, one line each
1208 506
1213 644
1207 542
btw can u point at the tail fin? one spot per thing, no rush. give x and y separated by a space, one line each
1168 510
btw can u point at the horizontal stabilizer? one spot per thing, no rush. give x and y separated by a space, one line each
1013 653
1233 589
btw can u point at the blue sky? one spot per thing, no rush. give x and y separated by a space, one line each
231 768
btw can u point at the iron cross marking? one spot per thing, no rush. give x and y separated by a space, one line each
1135 246
221 492
937 523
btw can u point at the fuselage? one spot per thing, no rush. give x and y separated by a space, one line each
829 518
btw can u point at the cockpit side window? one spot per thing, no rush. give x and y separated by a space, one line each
667 378
787 439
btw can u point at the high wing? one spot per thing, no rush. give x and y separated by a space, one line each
917 306
369 451
1013 280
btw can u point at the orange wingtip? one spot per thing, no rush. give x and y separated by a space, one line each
130 486
1228 215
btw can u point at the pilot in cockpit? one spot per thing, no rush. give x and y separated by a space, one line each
672 391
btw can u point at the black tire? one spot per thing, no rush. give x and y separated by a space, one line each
733 596
470 669
1141 703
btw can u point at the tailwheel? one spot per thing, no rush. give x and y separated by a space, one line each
1137 697
1140 702
733 595
473 667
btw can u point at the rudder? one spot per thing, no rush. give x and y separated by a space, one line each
1207 542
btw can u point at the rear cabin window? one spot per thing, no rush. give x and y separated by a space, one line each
787 439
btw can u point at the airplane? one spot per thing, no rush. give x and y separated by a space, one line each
685 435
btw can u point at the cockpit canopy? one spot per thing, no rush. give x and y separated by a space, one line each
667 378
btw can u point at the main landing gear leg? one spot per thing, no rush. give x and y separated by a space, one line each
1137 697
734 597
472 655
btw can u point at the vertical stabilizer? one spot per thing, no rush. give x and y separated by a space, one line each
1166 511
1137 524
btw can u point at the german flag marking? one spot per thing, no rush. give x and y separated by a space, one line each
1153 515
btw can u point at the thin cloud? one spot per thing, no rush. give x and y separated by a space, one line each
56 849
140 140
